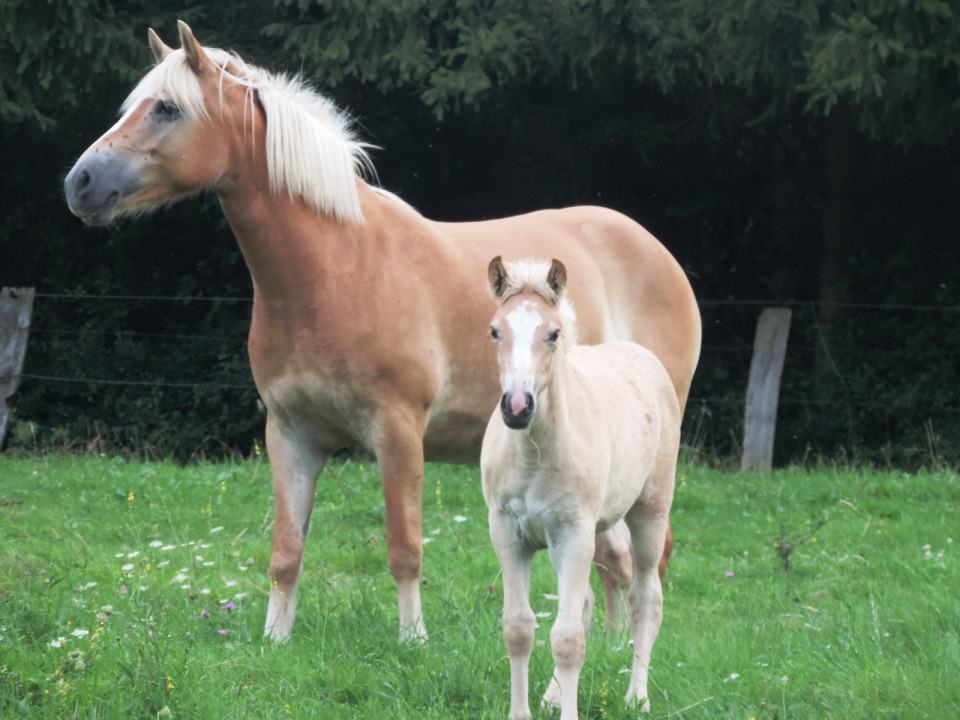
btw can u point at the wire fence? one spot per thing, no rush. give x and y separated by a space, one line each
740 350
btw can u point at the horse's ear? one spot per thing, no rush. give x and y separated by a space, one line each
191 47
557 276
497 275
159 47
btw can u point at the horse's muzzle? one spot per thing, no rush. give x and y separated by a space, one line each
520 420
96 184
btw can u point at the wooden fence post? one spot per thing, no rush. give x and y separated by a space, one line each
16 306
763 389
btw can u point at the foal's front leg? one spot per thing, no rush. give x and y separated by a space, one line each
295 463
398 443
571 549
518 619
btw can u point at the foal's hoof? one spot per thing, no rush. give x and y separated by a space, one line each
551 698
634 701
415 634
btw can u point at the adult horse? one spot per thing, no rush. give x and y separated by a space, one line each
368 318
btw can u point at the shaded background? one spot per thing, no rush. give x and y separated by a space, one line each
786 152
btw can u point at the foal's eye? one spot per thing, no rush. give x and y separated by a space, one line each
166 110
494 333
553 336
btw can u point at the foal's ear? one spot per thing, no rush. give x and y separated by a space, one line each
191 47
557 276
159 47
497 275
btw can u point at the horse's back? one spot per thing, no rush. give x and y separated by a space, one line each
625 283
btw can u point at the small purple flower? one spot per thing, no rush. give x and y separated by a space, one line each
223 632
229 606
729 573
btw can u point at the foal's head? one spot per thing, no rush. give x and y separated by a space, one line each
534 319
196 118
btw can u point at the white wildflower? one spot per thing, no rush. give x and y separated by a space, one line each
230 583
133 554
459 518
127 568
80 632
218 528
732 677
58 642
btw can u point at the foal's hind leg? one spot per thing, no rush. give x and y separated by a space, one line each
648 525
614 564
295 464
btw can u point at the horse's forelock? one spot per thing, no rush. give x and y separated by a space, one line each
312 152
530 276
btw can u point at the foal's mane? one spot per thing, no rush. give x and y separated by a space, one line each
311 149
530 276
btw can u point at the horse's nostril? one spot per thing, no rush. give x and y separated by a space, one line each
83 179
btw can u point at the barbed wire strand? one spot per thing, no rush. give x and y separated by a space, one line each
706 303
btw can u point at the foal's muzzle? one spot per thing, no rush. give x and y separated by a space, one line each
518 420
96 184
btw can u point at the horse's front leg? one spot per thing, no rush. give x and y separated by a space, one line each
571 549
518 619
295 463
398 444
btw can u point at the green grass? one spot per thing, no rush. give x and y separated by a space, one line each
866 624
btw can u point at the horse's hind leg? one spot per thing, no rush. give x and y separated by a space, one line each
614 564
648 526
295 464
398 443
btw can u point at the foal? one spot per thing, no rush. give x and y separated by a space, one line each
582 438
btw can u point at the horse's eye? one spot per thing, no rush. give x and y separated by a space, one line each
494 333
553 336
166 110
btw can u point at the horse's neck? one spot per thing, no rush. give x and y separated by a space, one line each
288 247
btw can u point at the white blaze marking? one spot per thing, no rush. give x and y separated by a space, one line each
524 321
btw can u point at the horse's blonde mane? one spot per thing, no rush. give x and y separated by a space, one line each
312 152
530 276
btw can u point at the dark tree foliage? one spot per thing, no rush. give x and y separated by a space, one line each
784 151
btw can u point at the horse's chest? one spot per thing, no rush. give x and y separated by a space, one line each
316 404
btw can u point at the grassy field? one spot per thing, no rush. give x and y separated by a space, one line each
137 590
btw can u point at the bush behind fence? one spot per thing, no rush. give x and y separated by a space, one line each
169 376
